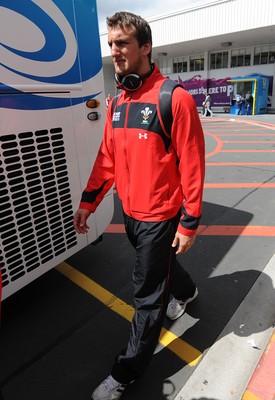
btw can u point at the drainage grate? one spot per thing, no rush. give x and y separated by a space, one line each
36 210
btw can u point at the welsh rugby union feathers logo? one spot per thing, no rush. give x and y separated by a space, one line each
146 114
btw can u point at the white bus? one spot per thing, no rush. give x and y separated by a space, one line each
52 111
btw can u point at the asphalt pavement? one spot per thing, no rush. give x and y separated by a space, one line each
60 334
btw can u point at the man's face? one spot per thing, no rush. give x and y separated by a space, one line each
127 56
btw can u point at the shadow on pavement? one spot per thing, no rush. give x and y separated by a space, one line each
69 346
220 294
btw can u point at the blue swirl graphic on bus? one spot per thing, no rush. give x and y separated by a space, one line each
46 52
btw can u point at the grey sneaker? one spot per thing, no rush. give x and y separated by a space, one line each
176 307
109 389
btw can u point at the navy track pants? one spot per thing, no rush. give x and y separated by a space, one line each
154 266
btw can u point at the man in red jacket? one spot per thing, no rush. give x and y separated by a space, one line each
159 179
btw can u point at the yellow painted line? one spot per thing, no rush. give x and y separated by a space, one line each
181 348
250 396
97 291
168 339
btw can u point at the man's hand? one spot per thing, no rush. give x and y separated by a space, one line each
80 218
183 242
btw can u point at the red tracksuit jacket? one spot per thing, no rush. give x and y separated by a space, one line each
154 174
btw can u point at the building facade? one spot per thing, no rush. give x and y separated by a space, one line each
207 47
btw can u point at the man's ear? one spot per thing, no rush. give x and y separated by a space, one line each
147 48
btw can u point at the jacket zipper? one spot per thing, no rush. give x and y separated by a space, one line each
125 152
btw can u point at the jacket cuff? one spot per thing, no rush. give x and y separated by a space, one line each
185 231
87 206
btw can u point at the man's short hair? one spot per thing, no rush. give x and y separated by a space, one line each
142 30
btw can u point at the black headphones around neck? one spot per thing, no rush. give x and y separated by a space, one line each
132 82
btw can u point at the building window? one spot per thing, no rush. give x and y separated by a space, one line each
272 54
219 60
264 55
196 63
241 57
180 65
164 66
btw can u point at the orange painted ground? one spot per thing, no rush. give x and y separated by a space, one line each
261 385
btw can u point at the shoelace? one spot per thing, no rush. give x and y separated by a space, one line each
173 304
110 384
